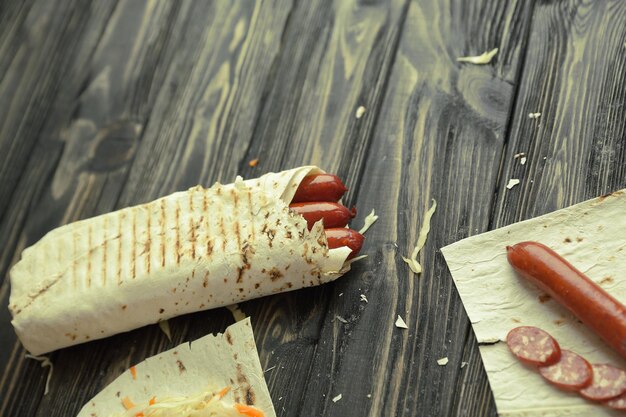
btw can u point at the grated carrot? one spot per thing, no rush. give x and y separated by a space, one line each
127 403
133 372
152 400
248 411
252 163
223 392
140 414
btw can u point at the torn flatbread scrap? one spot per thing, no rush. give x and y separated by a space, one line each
592 236
215 374
442 361
512 183
400 323
186 252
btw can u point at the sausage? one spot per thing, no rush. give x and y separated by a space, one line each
608 382
334 214
319 187
571 373
338 237
571 288
533 346
617 403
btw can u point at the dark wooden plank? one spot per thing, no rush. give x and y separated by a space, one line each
440 134
203 120
12 16
36 60
210 86
37 49
151 59
576 150
337 57
202 133
90 131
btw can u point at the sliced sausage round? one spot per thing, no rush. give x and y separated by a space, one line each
533 346
617 403
608 382
571 373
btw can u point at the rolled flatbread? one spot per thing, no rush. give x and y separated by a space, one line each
189 251
214 375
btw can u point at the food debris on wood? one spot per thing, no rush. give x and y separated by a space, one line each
482 59
463 365
369 221
238 315
512 183
337 398
363 298
252 163
521 156
165 328
360 111
442 361
421 240
341 319
269 369
534 115
400 323
45 362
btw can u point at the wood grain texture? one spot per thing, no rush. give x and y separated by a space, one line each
111 104
439 135
576 150
337 57
80 161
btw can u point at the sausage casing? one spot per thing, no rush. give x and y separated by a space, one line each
572 289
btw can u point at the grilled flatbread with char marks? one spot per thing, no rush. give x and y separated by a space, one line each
189 251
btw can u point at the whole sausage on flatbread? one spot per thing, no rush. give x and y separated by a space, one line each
189 251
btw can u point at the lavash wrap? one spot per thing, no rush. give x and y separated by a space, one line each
224 360
189 251
592 236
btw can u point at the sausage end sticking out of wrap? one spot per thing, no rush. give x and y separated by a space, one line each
220 374
186 252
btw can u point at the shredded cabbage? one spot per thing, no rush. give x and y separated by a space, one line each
480 59
203 404
369 221
421 241
45 361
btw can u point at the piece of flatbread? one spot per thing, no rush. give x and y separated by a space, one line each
590 235
189 251
224 360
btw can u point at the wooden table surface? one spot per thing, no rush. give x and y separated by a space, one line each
108 104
